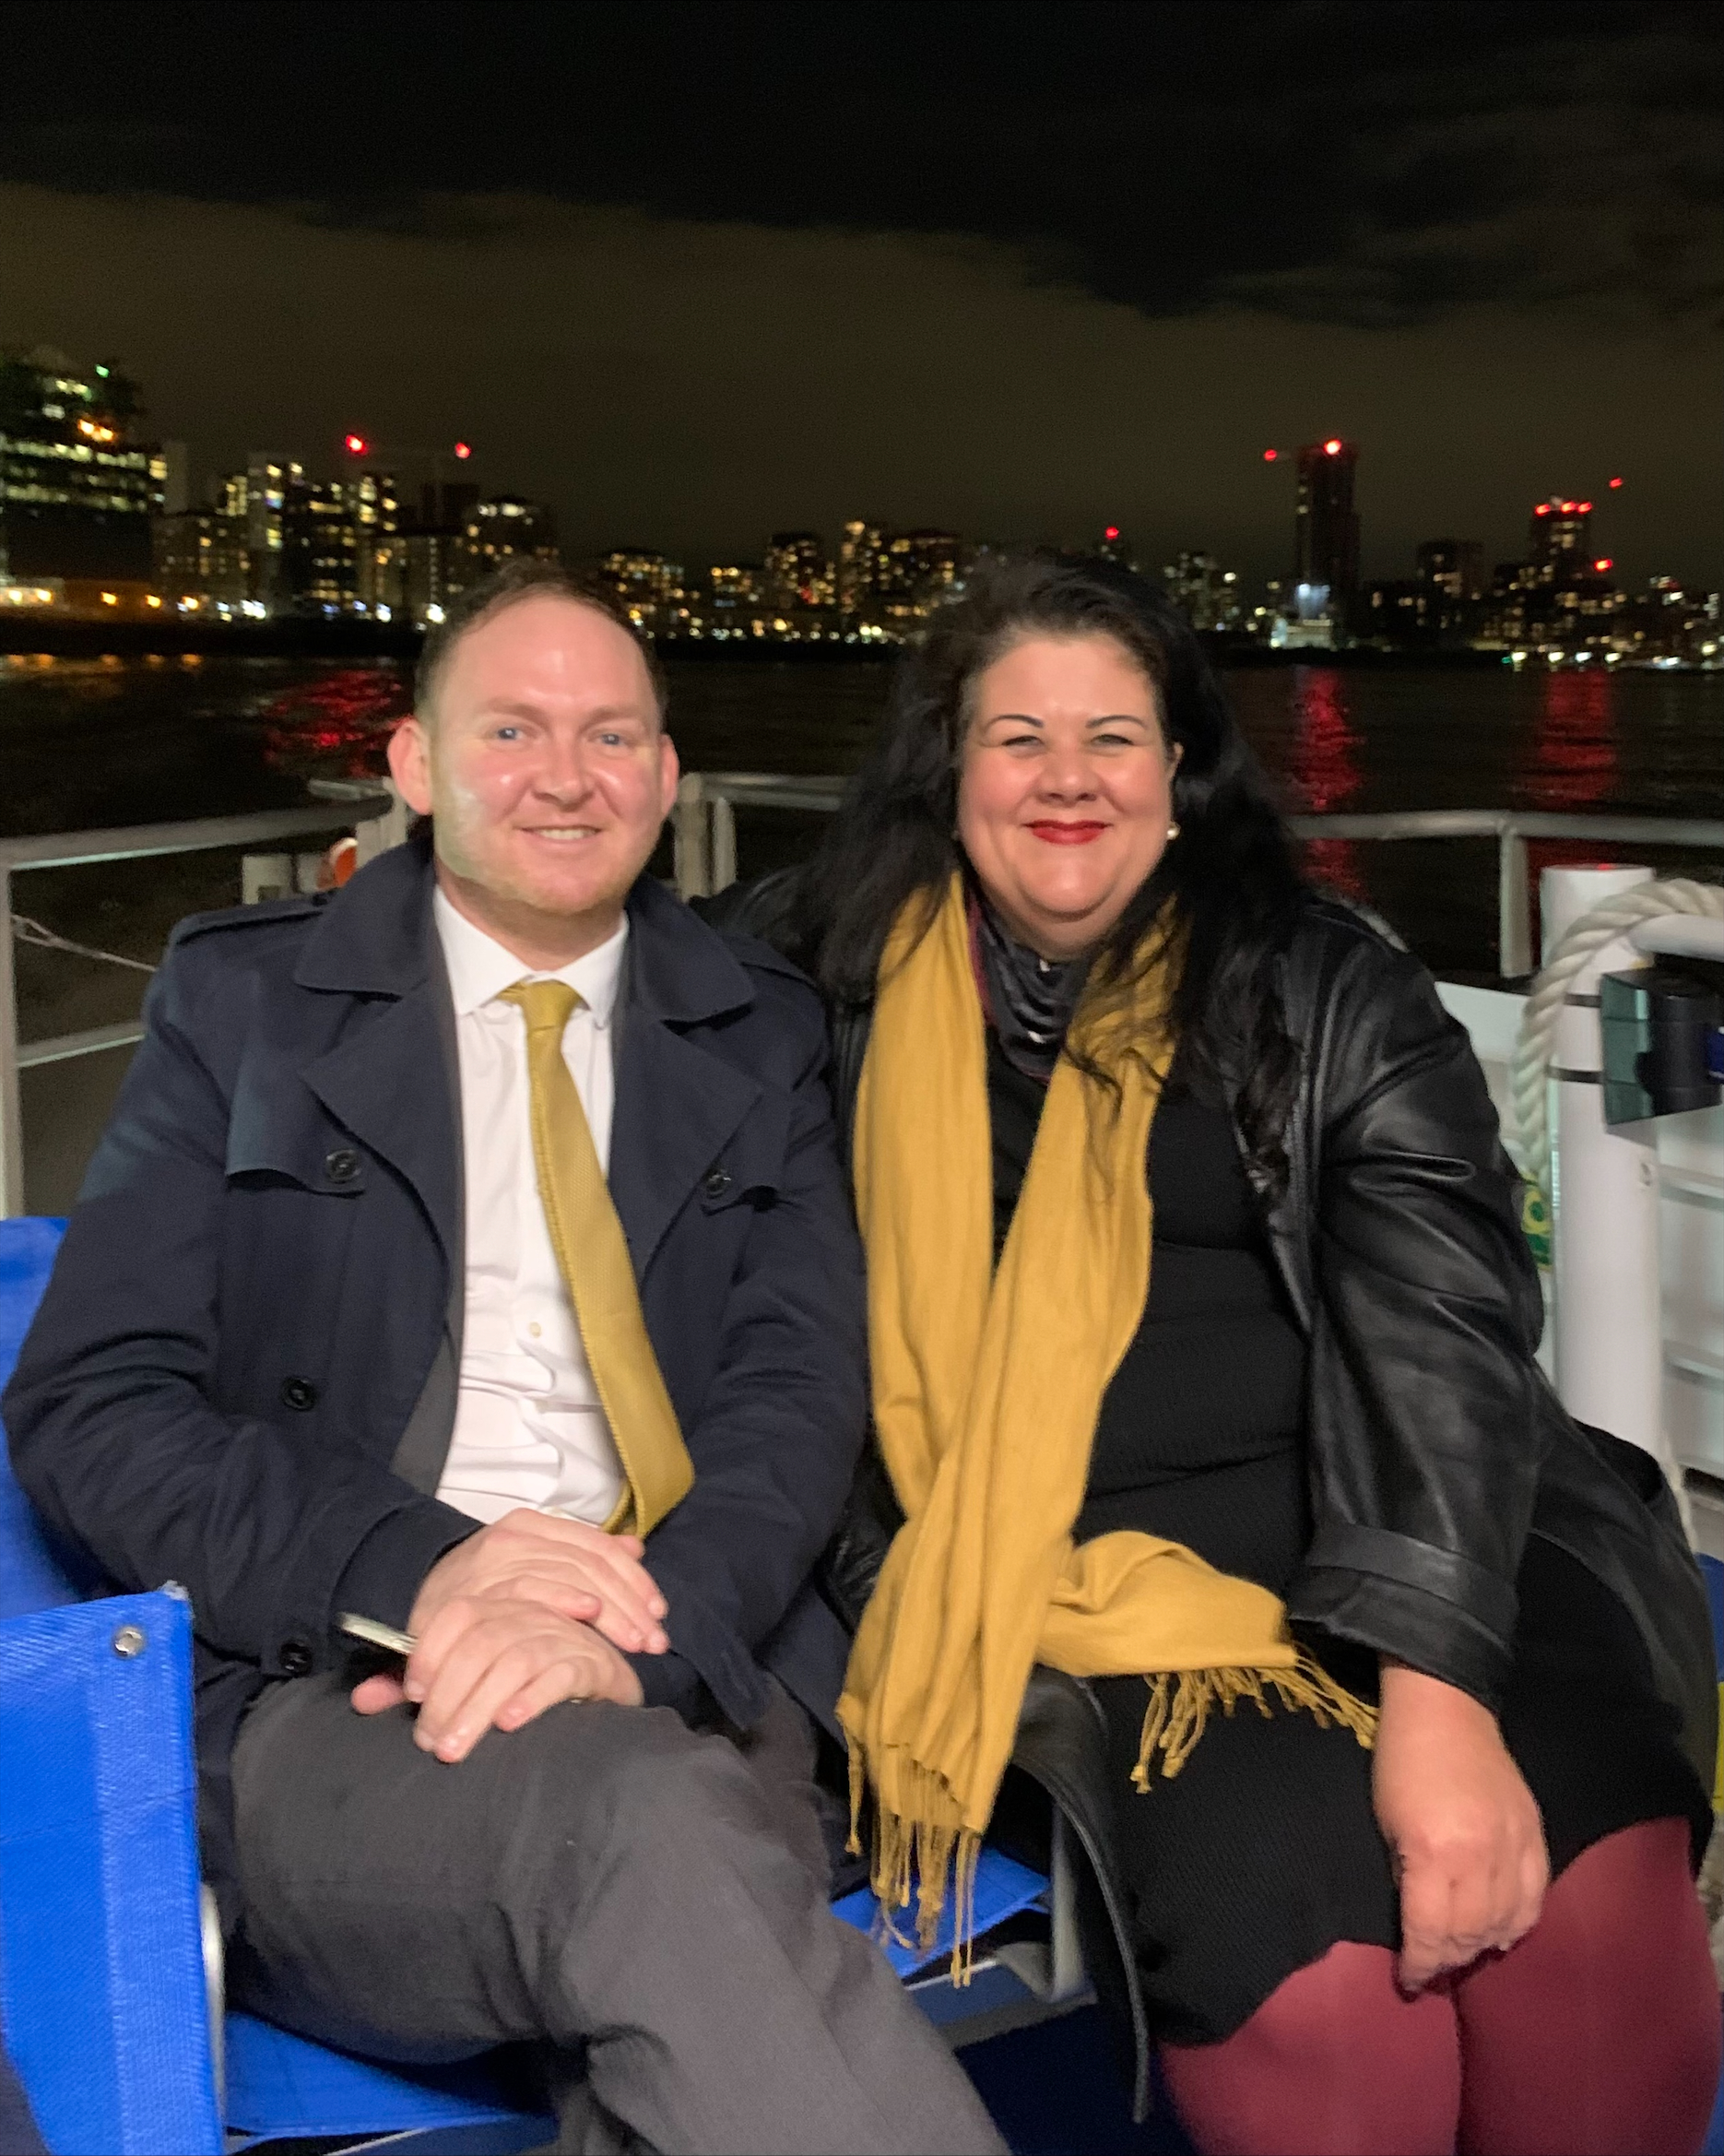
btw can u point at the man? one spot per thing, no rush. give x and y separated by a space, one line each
443 1225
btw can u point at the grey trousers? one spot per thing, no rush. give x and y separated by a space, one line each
647 1901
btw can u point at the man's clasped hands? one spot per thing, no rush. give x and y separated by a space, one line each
530 1610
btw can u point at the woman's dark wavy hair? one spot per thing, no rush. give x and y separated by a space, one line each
1235 889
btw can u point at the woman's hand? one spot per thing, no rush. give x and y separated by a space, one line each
1462 1829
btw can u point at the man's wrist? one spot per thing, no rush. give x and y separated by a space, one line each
384 1576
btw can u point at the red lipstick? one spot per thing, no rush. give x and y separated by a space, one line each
1056 832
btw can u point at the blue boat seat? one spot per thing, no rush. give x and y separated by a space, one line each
102 1976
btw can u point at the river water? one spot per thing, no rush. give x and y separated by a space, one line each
88 742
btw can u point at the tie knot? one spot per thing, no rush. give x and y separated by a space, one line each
544 1004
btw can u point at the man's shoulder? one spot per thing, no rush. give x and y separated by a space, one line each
746 999
245 932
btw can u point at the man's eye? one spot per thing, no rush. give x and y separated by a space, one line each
505 733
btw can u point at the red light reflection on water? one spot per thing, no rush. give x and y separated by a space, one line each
337 726
1573 749
1573 760
1324 766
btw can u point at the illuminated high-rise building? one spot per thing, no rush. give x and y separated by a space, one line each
374 506
1207 594
202 564
269 477
859 565
506 528
319 548
1326 528
639 580
915 571
798 573
77 492
1559 538
1452 567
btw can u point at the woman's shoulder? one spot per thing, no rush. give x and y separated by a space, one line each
1340 946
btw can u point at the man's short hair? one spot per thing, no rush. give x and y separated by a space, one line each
507 587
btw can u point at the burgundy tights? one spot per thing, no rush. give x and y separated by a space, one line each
1598 2035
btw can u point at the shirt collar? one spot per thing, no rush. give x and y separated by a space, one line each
480 968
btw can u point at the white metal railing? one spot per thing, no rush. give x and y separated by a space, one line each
372 815
704 832
706 837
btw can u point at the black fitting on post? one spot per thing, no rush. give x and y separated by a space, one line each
1662 1030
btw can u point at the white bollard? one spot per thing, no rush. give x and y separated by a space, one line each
1610 1350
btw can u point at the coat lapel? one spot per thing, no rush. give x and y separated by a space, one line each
392 1079
388 1083
678 1106
677 1109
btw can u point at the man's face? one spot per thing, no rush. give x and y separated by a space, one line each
545 767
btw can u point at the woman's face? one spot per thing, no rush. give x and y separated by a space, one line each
1065 788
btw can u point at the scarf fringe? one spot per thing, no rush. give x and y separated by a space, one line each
1181 1703
913 1854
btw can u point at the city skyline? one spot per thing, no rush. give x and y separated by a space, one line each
97 522
1087 269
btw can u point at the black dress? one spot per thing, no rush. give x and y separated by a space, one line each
1263 1852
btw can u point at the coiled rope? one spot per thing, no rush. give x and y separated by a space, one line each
1528 1072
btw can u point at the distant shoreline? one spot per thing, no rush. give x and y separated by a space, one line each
368 640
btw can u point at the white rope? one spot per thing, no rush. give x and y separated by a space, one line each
27 930
1529 1074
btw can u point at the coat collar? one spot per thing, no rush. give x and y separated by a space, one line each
677 1106
376 939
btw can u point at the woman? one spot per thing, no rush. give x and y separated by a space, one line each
1203 1333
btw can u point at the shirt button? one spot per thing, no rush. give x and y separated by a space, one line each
295 1658
535 1327
342 1165
716 1183
300 1394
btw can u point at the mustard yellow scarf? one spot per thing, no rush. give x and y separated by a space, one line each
985 1395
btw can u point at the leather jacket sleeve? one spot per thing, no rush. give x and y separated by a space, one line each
1425 1318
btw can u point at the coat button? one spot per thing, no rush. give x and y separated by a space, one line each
716 1183
295 1658
342 1165
300 1394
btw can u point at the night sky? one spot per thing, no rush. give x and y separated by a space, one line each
692 271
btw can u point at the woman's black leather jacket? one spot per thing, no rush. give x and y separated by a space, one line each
1436 1445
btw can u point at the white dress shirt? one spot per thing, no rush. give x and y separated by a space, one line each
528 1427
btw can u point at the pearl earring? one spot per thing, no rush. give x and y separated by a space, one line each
1173 832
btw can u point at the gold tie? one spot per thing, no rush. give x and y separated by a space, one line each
594 1256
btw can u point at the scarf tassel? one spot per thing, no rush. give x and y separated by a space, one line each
915 1854
1181 1703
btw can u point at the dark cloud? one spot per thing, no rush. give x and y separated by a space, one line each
693 269
696 383
1364 161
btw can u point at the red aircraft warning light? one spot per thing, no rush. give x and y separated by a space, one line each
464 450
357 445
1541 509
1603 562
1112 532
1617 481
1271 455
1332 447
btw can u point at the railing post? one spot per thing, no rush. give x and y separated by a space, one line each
692 839
381 832
11 1101
1514 906
724 829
